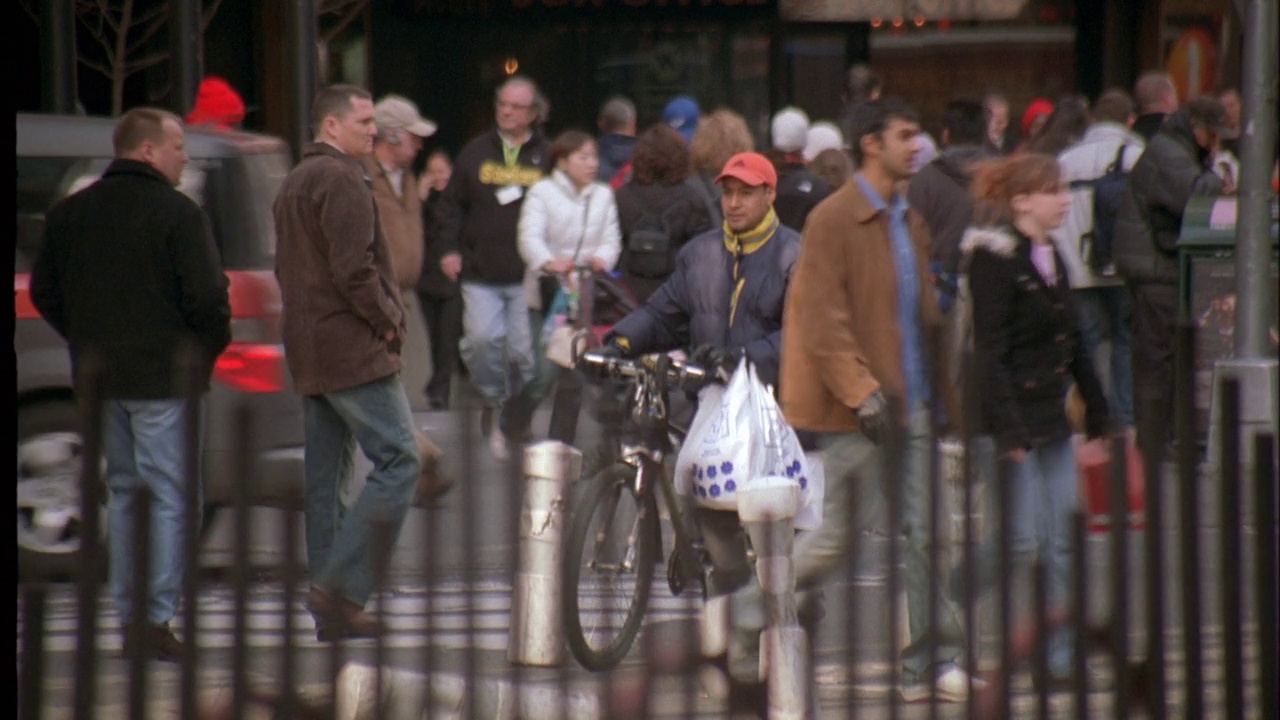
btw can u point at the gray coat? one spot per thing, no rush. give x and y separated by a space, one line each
1171 170
334 266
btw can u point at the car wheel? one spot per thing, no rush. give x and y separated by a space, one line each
49 457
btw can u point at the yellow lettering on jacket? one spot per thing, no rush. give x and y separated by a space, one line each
494 173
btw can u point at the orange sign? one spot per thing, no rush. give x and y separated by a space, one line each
1192 63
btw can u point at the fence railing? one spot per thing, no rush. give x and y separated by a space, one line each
1205 643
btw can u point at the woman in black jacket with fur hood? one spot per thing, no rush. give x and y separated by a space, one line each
1028 351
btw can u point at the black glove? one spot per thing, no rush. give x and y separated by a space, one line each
717 360
611 350
874 418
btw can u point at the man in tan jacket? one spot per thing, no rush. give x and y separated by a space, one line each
401 131
861 368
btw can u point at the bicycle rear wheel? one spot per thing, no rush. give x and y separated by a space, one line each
608 567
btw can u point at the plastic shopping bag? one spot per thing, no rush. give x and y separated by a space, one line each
778 454
715 458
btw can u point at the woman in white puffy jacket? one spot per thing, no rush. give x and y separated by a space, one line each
568 219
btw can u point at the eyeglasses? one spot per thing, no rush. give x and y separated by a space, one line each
504 105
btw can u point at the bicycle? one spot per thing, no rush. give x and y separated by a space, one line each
614 532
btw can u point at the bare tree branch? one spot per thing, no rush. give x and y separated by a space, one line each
27 7
148 32
357 9
209 12
145 62
96 66
104 12
98 35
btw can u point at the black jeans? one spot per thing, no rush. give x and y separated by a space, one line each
443 318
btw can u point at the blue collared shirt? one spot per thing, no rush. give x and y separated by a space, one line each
914 363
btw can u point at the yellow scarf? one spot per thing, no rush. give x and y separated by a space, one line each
745 244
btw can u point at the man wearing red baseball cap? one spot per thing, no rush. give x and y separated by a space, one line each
725 300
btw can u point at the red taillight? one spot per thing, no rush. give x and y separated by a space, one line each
251 368
23 308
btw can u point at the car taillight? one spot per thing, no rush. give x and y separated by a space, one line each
251 368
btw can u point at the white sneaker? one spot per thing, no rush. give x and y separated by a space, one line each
952 685
499 446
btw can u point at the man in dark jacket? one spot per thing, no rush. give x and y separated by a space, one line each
476 221
617 123
799 189
1172 169
1157 98
940 192
129 274
726 294
343 328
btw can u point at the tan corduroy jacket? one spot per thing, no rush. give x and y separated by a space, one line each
401 219
840 336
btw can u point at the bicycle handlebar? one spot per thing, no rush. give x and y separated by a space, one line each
646 366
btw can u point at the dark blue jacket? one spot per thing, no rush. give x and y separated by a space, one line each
615 151
692 307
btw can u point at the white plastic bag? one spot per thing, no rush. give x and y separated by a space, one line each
715 458
778 453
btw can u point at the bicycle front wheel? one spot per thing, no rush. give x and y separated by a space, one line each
608 567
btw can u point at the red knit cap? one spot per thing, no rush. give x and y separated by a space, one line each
217 103
1038 107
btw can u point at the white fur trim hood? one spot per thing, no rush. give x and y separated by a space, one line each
993 240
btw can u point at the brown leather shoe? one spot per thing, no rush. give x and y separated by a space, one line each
338 618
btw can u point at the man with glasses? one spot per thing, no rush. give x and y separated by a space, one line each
476 225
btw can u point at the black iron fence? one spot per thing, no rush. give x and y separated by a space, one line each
1203 642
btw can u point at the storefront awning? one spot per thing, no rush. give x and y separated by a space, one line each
866 10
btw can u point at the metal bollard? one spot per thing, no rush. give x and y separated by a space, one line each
537 633
767 509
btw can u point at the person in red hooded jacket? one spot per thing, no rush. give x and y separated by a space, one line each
217 104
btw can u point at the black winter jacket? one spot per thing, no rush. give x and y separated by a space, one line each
128 268
686 217
471 218
692 307
1170 171
799 190
433 281
940 193
1027 344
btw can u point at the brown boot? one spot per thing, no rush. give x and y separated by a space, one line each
431 482
338 617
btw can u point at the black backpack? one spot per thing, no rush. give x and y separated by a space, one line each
1108 193
650 249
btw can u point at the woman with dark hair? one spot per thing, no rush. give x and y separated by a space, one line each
1027 352
656 211
1063 128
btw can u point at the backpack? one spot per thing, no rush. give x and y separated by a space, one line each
1108 193
649 245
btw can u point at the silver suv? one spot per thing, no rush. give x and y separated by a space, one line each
234 176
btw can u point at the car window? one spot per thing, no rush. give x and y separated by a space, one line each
41 182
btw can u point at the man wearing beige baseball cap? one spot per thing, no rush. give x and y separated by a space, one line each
401 130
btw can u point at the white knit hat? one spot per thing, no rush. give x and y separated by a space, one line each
790 129
822 136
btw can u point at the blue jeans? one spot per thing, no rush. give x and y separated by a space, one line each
144 445
855 473
1105 311
495 333
340 550
1044 495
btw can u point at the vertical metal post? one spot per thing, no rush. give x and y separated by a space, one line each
1154 509
31 674
934 565
1254 295
1004 492
537 634
89 385
139 638
302 81
1040 656
894 499
1232 577
189 380
1118 505
186 54
1080 613
1189 518
1266 572
58 56
969 409
289 574
240 571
